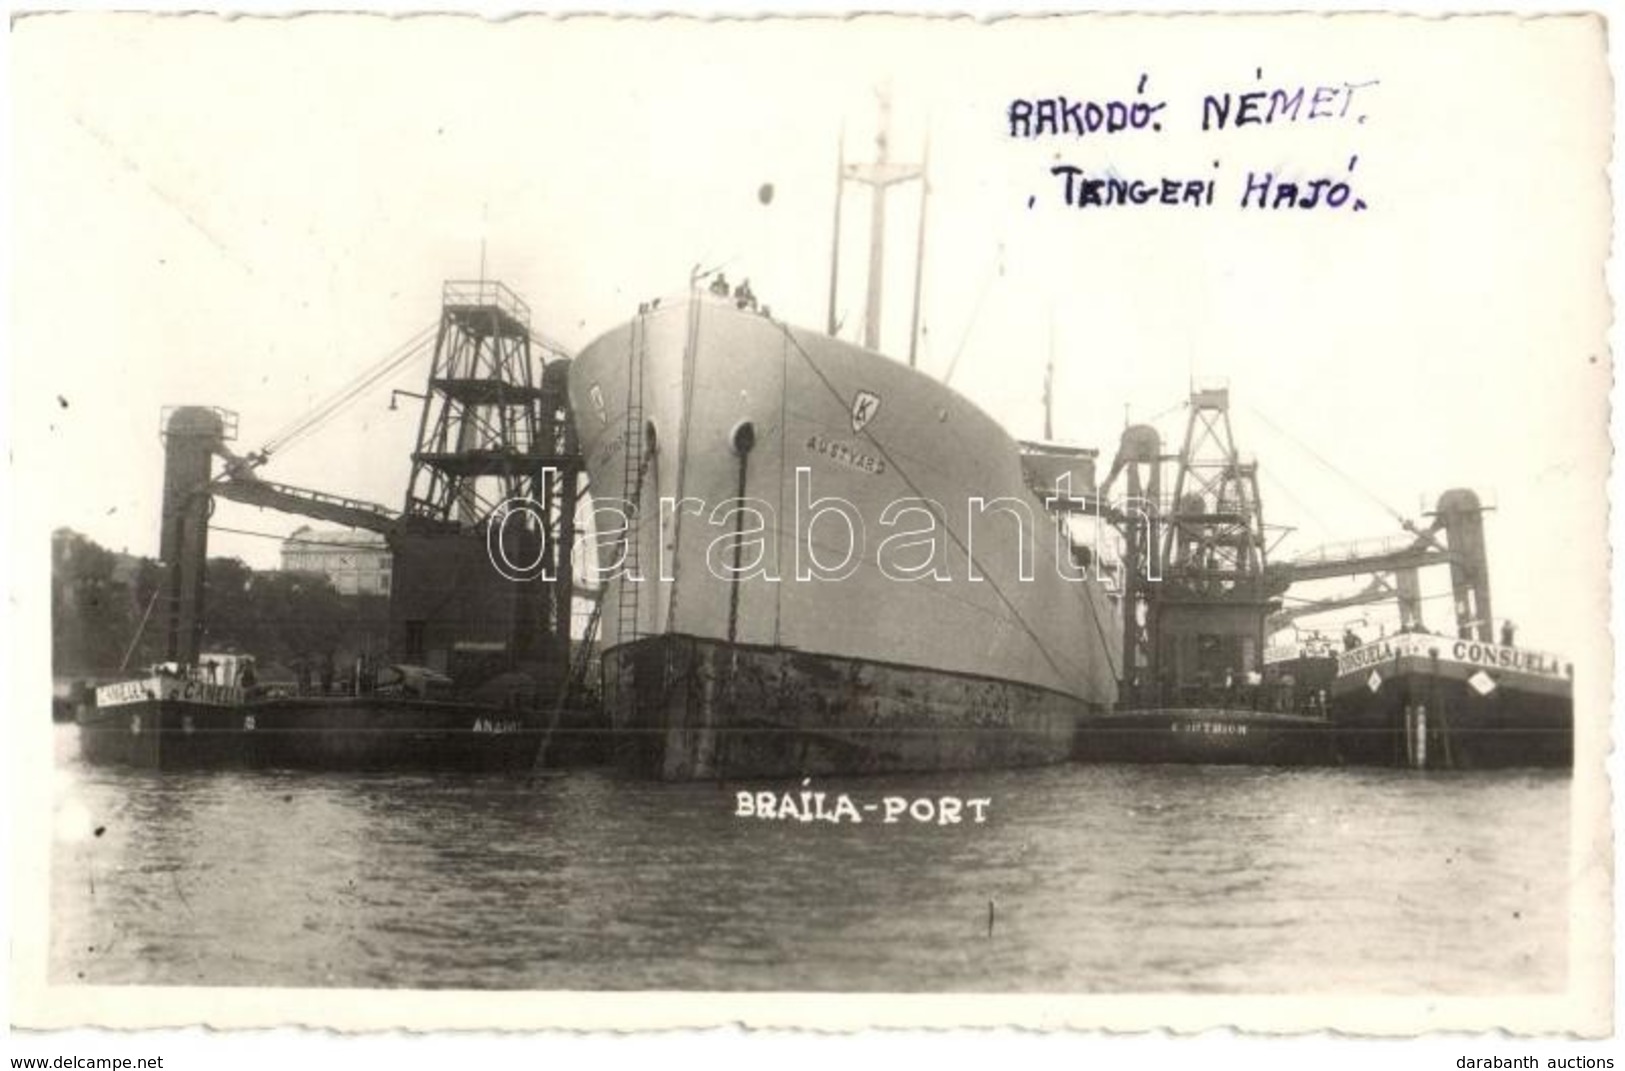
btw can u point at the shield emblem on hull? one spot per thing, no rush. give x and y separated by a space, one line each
864 407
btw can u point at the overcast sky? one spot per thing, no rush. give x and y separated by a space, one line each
246 213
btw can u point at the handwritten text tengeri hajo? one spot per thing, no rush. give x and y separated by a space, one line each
1097 184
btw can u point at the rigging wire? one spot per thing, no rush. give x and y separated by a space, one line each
291 539
320 416
995 272
366 373
317 416
1183 403
551 345
320 420
1404 521
1303 507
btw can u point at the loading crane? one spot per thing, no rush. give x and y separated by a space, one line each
250 490
1201 592
495 427
1454 539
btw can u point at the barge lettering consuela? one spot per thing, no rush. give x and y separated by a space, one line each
1465 652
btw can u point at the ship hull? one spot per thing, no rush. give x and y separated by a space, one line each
1216 736
1422 722
688 708
324 733
1433 702
868 552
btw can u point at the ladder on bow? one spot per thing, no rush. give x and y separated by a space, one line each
634 466
589 639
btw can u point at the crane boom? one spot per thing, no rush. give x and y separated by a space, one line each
349 512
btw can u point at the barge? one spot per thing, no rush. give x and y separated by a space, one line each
167 722
1427 701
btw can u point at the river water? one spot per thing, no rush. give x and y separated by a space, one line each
1101 879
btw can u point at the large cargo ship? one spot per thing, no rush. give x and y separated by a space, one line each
826 561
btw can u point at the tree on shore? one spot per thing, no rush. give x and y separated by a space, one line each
99 598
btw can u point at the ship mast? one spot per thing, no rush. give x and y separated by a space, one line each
879 175
877 230
919 250
835 245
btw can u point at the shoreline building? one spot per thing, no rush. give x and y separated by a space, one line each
357 562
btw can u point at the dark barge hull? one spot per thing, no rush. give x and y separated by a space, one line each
685 708
323 732
1216 736
1426 720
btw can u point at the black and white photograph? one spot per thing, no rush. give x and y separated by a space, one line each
562 522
